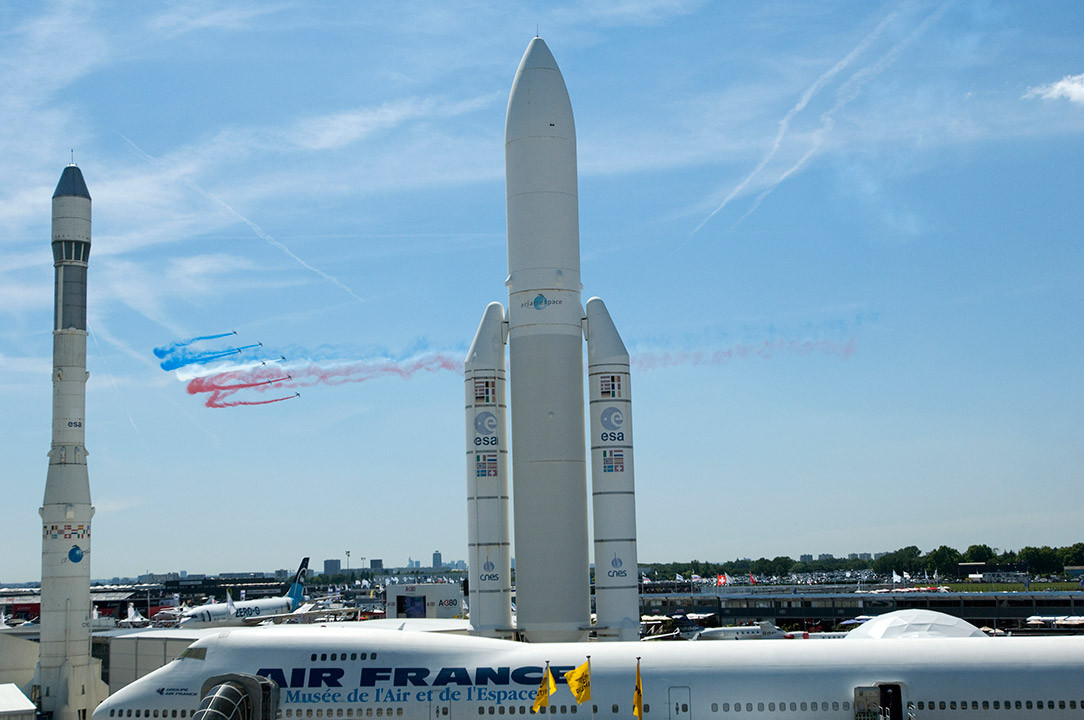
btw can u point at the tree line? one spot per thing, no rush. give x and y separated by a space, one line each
941 562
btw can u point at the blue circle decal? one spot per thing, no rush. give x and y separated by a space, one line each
75 554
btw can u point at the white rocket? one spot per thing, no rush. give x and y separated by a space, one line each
544 330
66 684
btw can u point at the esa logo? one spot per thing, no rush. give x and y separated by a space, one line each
617 571
75 554
485 424
612 419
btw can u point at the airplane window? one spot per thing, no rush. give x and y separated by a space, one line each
952 704
985 704
1027 704
312 657
794 706
320 712
511 709
373 656
500 710
174 713
647 707
614 709
835 706
847 706
399 711
481 711
353 656
572 709
748 707
1061 704
155 712
380 712
802 706
726 707
323 656
737 707
974 704
715 707
760 707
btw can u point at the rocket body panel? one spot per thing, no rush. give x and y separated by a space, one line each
489 553
546 354
66 673
617 599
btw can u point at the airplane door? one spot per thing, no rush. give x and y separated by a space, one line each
891 702
680 704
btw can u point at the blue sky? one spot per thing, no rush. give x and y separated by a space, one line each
843 242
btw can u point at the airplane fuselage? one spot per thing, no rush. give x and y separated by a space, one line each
341 672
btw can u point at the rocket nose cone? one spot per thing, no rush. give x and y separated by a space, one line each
538 56
72 183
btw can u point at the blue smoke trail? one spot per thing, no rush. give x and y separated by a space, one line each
182 358
161 352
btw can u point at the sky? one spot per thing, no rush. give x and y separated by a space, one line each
842 242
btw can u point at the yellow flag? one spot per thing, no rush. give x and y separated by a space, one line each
638 695
579 681
547 687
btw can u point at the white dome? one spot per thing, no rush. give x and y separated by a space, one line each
914 624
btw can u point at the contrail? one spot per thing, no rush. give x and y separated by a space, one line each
255 228
847 92
161 352
784 124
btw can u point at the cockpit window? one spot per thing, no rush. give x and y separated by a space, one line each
193 653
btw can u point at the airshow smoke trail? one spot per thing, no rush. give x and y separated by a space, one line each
222 386
161 352
655 360
181 358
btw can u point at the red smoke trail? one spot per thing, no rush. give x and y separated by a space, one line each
764 350
223 385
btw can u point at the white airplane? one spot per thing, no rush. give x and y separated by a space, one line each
248 611
321 671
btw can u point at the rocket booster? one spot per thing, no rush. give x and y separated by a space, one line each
63 674
545 329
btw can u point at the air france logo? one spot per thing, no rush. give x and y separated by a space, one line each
75 554
617 572
541 302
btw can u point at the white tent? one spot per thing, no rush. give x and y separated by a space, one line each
14 705
914 624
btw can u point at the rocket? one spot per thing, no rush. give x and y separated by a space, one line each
544 330
64 684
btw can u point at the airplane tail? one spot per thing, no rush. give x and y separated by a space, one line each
297 589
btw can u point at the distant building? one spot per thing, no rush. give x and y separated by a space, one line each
852 556
826 556
376 564
865 556
438 562
333 567
805 558
878 556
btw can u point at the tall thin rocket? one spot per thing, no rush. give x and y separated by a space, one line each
64 682
544 330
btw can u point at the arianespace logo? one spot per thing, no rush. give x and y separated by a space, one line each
541 302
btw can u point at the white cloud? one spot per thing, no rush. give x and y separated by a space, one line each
1070 87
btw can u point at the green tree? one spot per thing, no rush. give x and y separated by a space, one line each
1040 561
979 553
1072 555
943 560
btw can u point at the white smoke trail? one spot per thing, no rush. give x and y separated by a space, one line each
803 101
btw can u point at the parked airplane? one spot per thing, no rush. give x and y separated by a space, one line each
248 611
347 672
